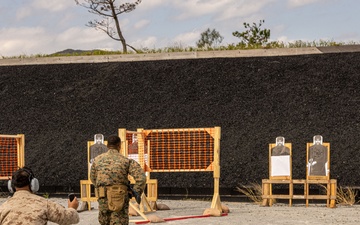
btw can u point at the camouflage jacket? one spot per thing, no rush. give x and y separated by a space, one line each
27 208
113 168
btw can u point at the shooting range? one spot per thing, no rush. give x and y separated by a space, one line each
60 105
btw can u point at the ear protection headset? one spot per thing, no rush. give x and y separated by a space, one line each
33 182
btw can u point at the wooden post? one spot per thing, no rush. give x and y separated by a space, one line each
265 193
291 192
21 150
333 188
124 146
89 143
216 204
141 147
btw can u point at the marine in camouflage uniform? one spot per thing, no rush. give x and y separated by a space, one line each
112 168
25 208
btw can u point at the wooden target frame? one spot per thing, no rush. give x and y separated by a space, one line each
326 176
278 174
280 168
317 179
12 154
178 150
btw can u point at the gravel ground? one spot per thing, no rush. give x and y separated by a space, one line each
240 213
243 213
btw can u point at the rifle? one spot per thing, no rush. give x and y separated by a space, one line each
133 193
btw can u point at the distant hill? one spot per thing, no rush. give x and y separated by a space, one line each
70 51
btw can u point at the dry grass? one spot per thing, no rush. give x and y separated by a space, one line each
346 196
253 192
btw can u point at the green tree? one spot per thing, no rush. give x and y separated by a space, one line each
208 38
254 36
109 11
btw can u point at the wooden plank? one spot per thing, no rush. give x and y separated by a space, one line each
10 136
298 197
277 196
267 181
317 197
280 177
303 181
318 182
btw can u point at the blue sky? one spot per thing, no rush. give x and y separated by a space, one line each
29 27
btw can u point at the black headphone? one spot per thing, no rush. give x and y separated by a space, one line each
34 182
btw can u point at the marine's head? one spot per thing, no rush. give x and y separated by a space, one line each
24 179
114 142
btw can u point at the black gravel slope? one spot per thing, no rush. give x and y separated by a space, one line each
60 107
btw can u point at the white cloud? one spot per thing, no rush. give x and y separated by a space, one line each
85 39
278 29
219 10
19 41
244 9
191 8
124 22
299 3
153 3
141 24
283 39
30 41
187 39
42 7
81 36
348 37
149 42
53 5
23 12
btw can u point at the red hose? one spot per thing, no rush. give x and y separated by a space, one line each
180 218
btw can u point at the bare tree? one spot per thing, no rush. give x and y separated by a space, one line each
109 11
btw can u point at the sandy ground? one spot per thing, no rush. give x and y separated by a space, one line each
240 213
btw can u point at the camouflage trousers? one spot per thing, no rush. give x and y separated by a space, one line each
107 217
